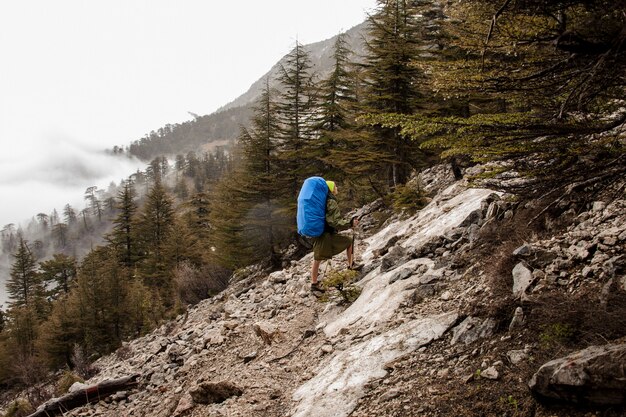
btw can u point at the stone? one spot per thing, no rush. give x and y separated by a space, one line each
490 373
598 206
518 319
523 250
472 329
338 386
278 277
266 331
390 395
326 349
250 357
516 356
403 273
77 386
580 251
214 392
522 278
473 218
213 337
447 295
593 376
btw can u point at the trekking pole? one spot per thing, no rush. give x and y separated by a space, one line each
325 269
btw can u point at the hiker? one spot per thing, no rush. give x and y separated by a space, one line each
330 243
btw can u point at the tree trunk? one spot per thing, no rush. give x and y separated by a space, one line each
91 394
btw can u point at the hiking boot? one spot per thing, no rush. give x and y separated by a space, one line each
317 288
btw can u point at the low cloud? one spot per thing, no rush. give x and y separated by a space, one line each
55 172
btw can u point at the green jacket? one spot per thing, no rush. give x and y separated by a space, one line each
334 221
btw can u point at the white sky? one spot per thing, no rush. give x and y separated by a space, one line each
80 76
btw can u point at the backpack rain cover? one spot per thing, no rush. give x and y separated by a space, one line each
312 207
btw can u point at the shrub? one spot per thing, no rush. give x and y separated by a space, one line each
408 198
19 408
342 281
195 285
65 382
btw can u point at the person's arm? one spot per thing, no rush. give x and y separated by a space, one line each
333 216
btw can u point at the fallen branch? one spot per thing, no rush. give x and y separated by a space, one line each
90 394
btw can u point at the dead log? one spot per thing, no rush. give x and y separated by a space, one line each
90 394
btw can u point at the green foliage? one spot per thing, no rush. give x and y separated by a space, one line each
394 84
65 382
511 401
556 334
408 198
24 286
60 271
19 408
342 282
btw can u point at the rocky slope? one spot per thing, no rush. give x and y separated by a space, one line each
460 305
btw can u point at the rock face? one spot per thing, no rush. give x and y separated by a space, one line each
596 376
339 384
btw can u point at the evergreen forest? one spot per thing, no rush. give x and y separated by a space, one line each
533 89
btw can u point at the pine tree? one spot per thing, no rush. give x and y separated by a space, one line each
155 227
24 286
60 271
393 83
61 332
261 183
550 69
123 234
297 115
94 203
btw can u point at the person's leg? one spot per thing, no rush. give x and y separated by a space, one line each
315 267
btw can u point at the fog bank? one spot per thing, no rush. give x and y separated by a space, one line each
52 173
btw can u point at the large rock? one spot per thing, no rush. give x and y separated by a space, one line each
472 329
596 376
379 299
522 278
340 382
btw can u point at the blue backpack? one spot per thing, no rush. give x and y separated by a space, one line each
312 207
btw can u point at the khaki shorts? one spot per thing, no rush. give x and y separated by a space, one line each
329 245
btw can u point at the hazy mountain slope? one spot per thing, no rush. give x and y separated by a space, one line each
321 58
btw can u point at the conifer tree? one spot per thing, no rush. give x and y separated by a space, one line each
94 203
344 142
196 216
155 227
123 235
61 332
552 68
60 235
59 271
261 180
227 213
22 333
297 114
69 215
393 83
101 296
24 286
